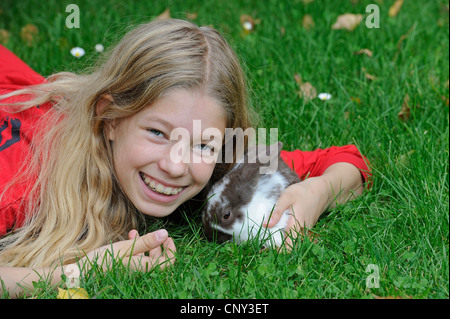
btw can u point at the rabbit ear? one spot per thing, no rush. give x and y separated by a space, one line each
262 153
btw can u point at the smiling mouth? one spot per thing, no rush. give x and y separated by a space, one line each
157 187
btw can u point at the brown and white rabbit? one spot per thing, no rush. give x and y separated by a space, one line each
244 198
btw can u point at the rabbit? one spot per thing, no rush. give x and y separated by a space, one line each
244 198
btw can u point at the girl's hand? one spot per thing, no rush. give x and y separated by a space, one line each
307 200
141 253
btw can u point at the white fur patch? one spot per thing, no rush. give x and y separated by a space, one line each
257 211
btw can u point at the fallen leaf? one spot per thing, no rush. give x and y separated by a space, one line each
357 100
4 36
368 75
191 15
298 79
395 8
164 15
307 91
308 22
72 293
364 51
405 112
28 33
348 21
400 41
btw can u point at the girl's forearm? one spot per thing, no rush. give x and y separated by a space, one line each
344 182
17 281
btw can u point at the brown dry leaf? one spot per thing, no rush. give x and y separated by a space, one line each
28 33
298 79
72 293
395 8
348 21
191 15
405 112
308 22
357 100
307 91
164 15
368 75
4 36
364 51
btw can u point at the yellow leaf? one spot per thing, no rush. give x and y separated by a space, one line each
364 51
28 33
307 91
307 22
4 36
406 110
72 293
165 15
191 15
395 8
348 21
368 75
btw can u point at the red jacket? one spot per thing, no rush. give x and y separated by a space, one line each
17 130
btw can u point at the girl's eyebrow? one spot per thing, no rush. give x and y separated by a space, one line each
153 118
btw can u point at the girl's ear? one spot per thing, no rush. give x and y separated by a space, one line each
104 101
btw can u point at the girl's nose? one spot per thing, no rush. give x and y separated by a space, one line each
174 167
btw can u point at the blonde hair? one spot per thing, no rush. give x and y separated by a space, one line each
76 204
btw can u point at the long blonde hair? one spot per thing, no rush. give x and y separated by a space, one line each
76 204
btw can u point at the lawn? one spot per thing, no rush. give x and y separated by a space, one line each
389 91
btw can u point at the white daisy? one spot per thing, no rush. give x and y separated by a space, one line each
324 96
77 52
99 47
247 25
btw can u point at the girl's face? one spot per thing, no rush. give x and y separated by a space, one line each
145 156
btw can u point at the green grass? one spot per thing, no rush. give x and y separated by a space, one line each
401 224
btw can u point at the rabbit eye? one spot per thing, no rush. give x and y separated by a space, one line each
226 215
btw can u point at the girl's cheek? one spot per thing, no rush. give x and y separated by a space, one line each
202 172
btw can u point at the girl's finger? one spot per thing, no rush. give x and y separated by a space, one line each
148 241
163 256
133 234
169 251
284 203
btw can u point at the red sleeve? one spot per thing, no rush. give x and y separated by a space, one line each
314 163
14 73
16 132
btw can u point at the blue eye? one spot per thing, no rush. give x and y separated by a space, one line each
156 132
205 147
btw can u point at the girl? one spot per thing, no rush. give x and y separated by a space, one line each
84 156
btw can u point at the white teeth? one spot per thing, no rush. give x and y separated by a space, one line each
159 188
